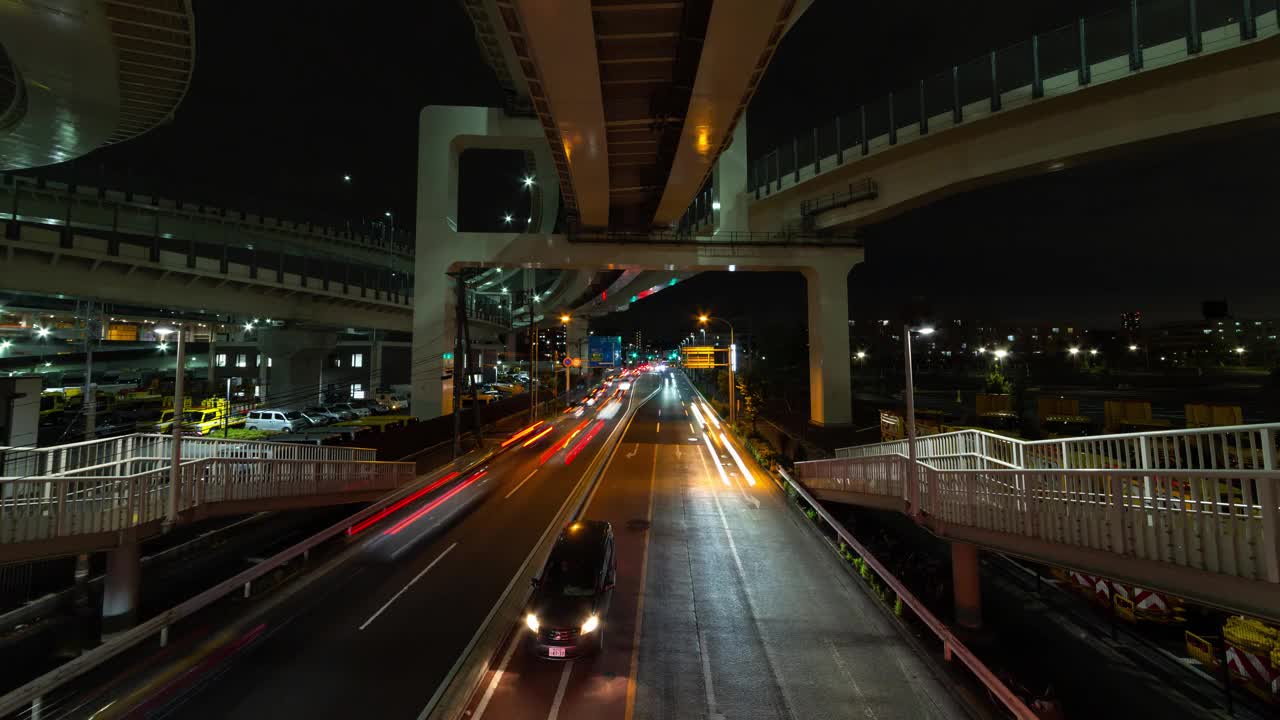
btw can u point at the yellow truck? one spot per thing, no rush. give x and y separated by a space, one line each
213 414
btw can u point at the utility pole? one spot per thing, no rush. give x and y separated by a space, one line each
90 395
460 319
475 387
179 409
533 358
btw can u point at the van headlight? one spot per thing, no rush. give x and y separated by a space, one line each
592 623
532 621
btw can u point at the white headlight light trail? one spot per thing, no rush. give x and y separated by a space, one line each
742 467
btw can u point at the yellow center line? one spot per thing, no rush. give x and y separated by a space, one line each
644 572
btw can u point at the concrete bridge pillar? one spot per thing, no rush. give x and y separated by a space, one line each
375 362
966 584
297 373
120 589
445 132
830 394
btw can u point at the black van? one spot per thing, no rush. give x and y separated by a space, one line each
571 597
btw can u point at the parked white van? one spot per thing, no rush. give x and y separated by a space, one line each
275 420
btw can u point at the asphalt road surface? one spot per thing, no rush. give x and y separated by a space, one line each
725 606
376 636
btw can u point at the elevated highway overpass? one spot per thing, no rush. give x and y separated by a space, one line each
1095 87
128 74
1084 92
147 250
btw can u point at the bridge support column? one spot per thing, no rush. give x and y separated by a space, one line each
120 589
830 395
967 585
445 132
435 326
375 362
297 359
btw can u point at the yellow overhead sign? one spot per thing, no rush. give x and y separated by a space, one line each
699 358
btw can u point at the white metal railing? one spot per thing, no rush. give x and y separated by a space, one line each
33 509
1235 447
1220 521
101 454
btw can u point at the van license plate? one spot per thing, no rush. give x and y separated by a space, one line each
555 652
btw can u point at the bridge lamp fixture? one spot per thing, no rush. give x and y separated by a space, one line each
248 327
528 181
346 179
565 319
861 355
4 344
162 347
1239 351
507 218
926 331
1000 353
48 363
980 350
1073 351
1133 348
42 332
1093 351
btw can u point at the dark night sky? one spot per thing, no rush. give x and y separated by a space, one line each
288 96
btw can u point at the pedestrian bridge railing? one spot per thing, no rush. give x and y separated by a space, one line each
1195 513
86 495
1211 448
101 457
74 506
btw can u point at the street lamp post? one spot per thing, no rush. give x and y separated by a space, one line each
564 320
733 409
175 454
913 487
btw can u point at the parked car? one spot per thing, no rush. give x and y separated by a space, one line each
275 420
342 412
358 412
316 411
392 401
373 407
316 419
571 597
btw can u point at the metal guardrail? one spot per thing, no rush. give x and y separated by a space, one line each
1102 48
951 645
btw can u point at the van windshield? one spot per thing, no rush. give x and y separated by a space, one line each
293 415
